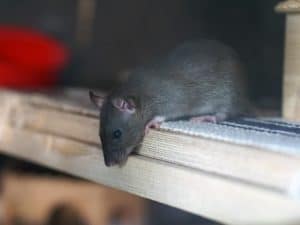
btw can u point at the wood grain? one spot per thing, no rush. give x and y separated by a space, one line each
230 183
198 192
245 163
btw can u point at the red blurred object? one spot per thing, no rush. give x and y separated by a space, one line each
29 59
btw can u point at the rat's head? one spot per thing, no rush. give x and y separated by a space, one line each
121 128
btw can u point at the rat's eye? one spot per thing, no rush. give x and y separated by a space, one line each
117 134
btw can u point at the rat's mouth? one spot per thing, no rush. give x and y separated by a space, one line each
112 161
118 157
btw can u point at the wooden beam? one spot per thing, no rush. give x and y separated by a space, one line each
222 181
202 193
291 76
273 170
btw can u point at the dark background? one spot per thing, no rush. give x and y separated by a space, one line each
127 33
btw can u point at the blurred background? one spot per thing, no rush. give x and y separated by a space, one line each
104 38
92 43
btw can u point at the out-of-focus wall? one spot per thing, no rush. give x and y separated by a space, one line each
127 33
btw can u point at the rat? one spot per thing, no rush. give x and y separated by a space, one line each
202 80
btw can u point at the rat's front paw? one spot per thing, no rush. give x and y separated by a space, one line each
154 123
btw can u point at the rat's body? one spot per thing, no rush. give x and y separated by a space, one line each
202 78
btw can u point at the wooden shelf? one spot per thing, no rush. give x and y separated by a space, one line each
226 182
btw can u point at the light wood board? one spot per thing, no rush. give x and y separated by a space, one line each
222 181
291 75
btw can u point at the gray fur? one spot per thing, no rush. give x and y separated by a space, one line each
197 78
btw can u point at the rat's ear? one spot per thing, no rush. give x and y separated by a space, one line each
97 100
124 105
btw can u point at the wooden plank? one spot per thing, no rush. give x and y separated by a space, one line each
202 176
245 163
291 77
197 192
291 85
66 100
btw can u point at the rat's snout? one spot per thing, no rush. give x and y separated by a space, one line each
113 158
109 162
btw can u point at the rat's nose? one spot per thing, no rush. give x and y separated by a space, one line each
109 162
112 158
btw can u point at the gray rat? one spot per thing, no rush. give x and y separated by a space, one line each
203 80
